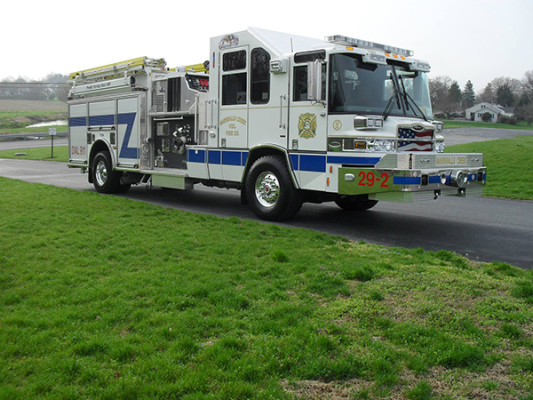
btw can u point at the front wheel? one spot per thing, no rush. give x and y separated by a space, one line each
355 203
105 180
269 190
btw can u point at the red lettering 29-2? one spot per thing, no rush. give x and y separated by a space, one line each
370 179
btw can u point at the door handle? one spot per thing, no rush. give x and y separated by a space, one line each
281 98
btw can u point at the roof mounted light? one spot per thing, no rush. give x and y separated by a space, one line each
374 58
349 41
421 66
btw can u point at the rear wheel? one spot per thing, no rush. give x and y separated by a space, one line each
269 190
355 203
105 180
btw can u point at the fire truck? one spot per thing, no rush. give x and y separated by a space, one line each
285 119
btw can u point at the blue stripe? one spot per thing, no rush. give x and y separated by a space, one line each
312 163
434 179
78 121
406 180
214 157
231 158
353 160
103 119
194 155
127 119
295 161
472 177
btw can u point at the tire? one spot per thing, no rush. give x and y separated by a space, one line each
269 190
355 203
105 180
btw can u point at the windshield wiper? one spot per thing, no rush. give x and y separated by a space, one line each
388 107
408 99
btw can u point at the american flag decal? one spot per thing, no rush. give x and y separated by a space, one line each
411 140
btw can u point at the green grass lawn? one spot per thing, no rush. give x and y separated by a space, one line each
449 124
509 166
38 153
16 121
102 297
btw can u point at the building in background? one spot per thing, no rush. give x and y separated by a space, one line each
486 112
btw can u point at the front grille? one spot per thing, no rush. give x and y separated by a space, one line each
415 139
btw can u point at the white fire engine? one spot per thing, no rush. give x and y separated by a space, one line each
283 118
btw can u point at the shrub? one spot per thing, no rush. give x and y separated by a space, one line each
486 117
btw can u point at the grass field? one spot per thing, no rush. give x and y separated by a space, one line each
509 166
449 124
38 153
15 115
102 297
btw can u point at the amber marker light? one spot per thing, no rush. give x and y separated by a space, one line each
360 145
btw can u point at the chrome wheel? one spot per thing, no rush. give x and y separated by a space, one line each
267 189
270 191
100 173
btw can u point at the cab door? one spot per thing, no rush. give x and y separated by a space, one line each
233 110
307 114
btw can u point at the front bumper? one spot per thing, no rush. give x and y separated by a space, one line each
412 177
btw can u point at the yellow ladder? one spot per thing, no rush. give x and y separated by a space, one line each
111 71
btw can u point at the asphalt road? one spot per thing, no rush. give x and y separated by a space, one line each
482 229
469 135
28 144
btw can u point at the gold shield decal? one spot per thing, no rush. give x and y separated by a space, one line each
307 126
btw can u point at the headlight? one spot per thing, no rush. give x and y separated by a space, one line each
383 145
440 146
438 125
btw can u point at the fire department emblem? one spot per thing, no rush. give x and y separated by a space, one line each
307 126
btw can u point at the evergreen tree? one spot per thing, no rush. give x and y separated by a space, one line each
469 96
524 100
488 95
504 96
455 95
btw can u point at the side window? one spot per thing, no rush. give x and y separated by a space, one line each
260 76
234 85
234 89
300 83
234 61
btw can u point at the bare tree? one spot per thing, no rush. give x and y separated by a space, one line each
527 84
525 113
439 89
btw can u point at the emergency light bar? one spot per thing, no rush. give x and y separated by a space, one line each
338 39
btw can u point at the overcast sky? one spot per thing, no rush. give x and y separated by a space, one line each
475 40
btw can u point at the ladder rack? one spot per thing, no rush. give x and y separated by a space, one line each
113 71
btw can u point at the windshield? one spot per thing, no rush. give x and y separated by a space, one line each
361 88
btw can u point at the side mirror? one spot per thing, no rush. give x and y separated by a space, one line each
314 82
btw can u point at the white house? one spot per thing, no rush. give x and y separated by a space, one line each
475 113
